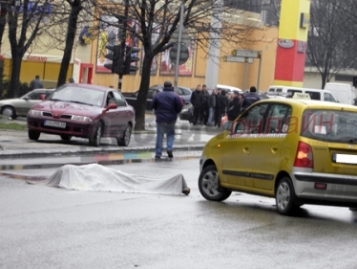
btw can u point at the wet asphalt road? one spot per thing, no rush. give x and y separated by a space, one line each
44 227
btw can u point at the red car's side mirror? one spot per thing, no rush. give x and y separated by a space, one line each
43 97
112 106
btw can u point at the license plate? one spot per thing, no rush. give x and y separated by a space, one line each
345 158
56 124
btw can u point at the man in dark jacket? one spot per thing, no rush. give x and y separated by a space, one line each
250 98
205 105
167 105
36 83
221 107
234 107
196 101
212 107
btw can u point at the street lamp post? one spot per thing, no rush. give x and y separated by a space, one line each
123 40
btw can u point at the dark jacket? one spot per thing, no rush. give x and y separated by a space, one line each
222 102
205 99
36 84
234 109
249 99
213 100
167 104
196 98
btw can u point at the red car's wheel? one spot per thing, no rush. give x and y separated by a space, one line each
125 140
33 135
97 136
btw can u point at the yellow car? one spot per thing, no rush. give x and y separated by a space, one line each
298 151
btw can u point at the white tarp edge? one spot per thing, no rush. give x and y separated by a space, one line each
95 177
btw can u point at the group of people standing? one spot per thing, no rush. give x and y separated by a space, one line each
208 109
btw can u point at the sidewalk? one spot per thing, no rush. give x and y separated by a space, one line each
134 156
18 152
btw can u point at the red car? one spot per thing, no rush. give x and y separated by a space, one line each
83 110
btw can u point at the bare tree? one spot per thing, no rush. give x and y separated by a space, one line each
3 13
76 7
162 18
329 47
25 22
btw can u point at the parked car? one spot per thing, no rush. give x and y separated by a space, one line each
83 110
298 151
187 113
343 93
289 92
183 92
228 88
15 107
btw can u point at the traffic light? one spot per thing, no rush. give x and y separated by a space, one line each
131 57
115 55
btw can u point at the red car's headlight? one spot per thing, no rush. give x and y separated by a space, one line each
81 118
34 112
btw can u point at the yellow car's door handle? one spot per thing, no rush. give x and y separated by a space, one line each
246 149
274 149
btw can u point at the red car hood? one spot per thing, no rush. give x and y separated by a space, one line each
59 108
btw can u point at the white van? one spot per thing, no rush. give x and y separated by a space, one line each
315 94
343 93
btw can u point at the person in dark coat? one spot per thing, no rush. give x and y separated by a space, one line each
167 105
196 101
221 107
205 105
36 83
250 98
212 107
234 107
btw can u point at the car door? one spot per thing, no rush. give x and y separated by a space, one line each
185 95
111 127
28 101
123 114
267 149
237 157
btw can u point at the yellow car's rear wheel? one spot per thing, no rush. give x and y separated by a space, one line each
285 197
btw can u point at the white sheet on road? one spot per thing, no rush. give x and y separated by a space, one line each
95 177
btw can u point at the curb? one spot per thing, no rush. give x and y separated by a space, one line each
106 159
137 151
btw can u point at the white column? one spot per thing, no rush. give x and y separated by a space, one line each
214 45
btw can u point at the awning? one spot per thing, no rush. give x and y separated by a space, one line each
37 57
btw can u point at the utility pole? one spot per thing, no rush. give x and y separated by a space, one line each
123 39
179 43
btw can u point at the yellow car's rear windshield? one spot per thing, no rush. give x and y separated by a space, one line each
330 125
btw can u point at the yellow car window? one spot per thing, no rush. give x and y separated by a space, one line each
278 119
251 122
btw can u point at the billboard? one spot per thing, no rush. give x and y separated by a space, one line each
109 35
167 66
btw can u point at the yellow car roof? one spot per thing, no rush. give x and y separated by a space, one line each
311 104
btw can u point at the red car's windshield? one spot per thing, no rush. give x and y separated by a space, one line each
80 95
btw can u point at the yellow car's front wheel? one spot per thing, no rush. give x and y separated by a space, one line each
209 186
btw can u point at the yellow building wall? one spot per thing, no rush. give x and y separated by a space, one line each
229 73
47 71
